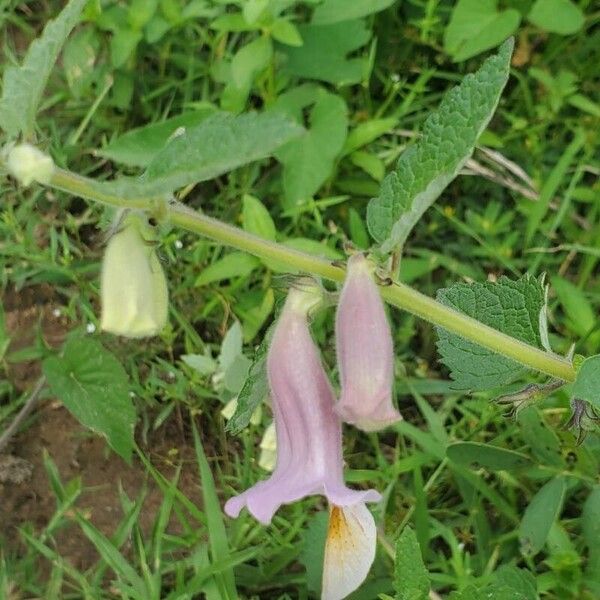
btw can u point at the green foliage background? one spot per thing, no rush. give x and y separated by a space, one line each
483 491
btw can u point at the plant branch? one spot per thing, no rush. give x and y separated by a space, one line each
23 413
398 294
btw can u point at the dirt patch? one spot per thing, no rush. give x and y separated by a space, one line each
25 492
77 453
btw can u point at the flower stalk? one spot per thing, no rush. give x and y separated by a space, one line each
399 295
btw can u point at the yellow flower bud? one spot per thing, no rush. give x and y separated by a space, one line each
27 164
133 286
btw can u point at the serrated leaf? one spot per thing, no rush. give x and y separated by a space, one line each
513 307
93 385
539 515
254 390
477 455
215 146
476 26
558 16
435 159
334 11
587 384
324 51
138 147
308 160
24 85
411 579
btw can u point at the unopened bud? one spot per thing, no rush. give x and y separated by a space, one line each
28 164
133 287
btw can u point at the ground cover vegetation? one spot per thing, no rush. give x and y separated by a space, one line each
225 149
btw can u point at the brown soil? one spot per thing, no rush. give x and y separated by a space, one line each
25 492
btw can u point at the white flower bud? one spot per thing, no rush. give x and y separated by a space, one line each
28 164
133 287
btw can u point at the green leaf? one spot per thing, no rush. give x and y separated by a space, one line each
477 455
308 160
587 384
514 307
254 390
435 159
590 527
313 550
539 515
234 264
581 316
256 218
557 16
138 147
215 146
23 86
411 579
217 535
94 387
286 32
334 11
520 582
250 60
323 54
476 26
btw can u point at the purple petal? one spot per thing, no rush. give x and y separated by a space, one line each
365 351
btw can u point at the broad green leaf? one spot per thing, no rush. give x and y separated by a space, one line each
215 146
256 218
557 16
521 582
308 160
334 11
313 550
590 527
477 455
514 307
323 54
234 264
254 391
581 316
366 132
286 32
435 159
587 384
539 515
250 60
24 85
543 441
93 385
411 579
138 147
476 26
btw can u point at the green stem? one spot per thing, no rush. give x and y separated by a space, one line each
398 294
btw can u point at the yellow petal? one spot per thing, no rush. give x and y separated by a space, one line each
349 550
268 449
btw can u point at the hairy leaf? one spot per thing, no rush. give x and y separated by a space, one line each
140 146
411 576
516 308
93 385
434 160
23 86
215 146
254 391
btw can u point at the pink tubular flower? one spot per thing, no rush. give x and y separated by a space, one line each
365 351
309 435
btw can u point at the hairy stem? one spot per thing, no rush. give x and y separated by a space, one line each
398 294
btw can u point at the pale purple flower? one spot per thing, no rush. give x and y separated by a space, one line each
309 435
365 351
